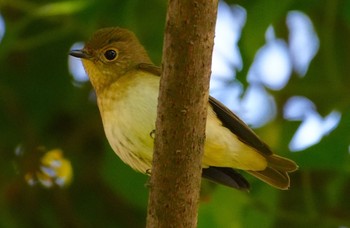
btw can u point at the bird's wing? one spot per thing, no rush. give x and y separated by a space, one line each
238 127
226 116
226 176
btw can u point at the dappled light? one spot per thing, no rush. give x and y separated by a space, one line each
76 67
54 170
297 107
227 58
303 41
2 27
313 126
312 130
272 66
258 106
226 55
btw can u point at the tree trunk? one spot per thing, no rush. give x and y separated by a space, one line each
182 111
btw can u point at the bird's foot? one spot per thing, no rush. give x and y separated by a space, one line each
153 134
148 172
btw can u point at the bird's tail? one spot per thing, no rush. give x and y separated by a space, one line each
276 174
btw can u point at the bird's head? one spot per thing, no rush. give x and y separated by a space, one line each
109 54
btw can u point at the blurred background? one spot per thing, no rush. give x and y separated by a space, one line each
282 66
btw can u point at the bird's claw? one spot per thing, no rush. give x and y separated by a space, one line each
153 134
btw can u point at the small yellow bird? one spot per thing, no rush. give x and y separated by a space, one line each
127 83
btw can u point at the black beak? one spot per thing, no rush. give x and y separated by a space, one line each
80 54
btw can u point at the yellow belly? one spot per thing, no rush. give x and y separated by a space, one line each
129 117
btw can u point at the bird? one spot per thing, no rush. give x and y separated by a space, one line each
126 83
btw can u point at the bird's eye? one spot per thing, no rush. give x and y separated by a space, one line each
110 54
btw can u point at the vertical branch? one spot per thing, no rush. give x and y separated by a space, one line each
182 112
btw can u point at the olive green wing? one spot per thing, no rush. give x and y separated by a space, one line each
225 176
238 127
276 174
226 116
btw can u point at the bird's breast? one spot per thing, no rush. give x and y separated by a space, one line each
128 112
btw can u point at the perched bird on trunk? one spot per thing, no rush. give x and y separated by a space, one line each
127 83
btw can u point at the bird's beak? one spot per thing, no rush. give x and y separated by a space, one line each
80 54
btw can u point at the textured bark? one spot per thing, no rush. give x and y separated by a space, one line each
182 111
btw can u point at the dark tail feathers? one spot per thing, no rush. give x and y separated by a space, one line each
276 174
